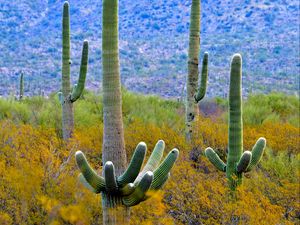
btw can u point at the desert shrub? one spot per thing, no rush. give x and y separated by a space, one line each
38 175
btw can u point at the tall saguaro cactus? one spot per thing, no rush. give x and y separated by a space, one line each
121 188
193 70
237 161
21 93
68 96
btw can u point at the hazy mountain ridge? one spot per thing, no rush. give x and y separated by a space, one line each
153 44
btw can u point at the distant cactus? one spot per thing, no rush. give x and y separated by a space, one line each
193 70
68 96
21 93
132 186
237 161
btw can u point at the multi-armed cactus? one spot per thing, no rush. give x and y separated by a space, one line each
193 70
131 187
120 187
21 93
237 161
68 96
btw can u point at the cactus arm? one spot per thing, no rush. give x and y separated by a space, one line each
204 74
86 184
94 180
244 162
153 161
257 153
139 193
163 181
127 189
215 159
163 170
110 177
135 165
77 91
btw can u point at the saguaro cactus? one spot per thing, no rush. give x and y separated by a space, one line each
193 70
237 161
120 187
131 187
21 93
67 97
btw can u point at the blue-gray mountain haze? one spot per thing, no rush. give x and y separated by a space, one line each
153 44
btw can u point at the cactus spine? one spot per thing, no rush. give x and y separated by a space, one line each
21 94
67 97
237 161
193 70
121 188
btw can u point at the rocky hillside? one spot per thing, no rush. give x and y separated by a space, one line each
153 44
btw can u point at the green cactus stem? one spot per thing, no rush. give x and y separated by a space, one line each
21 94
237 161
193 71
67 97
121 187
132 186
204 74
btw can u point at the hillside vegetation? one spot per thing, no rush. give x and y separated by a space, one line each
38 174
153 44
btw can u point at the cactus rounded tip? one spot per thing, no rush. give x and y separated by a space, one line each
236 58
161 142
142 144
208 151
247 152
149 173
262 139
108 163
78 154
175 151
80 158
66 6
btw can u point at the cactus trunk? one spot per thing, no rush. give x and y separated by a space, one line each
235 132
67 108
113 135
66 97
193 71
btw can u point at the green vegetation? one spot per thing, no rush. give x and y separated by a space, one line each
195 188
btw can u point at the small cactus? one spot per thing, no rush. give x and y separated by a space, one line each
21 94
68 96
237 161
133 185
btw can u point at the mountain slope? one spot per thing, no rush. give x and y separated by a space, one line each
153 44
